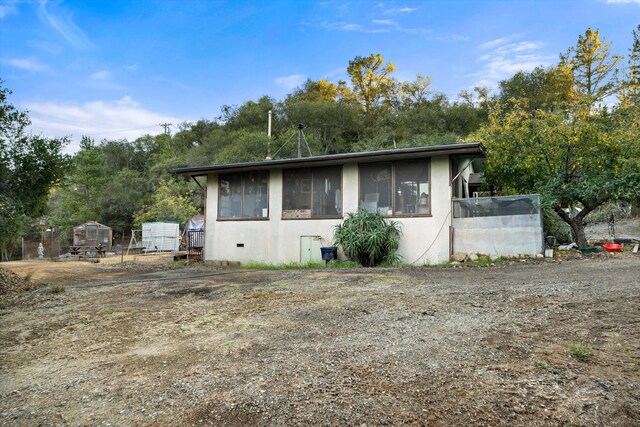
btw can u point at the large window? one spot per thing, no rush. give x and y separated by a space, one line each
312 193
244 196
397 188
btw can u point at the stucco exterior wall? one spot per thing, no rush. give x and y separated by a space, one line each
276 241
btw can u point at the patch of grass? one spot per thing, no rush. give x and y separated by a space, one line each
57 289
257 294
580 352
482 261
542 365
176 265
307 266
105 311
4 311
28 276
485 261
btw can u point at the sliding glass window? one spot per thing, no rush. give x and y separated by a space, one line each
397 188
244 196
312 193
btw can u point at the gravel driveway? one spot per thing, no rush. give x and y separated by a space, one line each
432 346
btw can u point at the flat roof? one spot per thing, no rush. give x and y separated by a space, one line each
336 159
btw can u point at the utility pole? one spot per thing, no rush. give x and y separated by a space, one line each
166 127
300 127
269 135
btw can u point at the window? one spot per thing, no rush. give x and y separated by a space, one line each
398 188
312 193
243 196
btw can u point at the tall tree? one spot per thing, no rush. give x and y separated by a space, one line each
83 188
372 80
594 69
538 89
580 163
630 93
29 167
171 201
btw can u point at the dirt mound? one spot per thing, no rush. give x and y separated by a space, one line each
12 285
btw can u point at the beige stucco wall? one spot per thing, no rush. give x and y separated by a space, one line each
276 241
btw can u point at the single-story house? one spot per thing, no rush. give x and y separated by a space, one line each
280 211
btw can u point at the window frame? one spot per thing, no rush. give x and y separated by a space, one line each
243 176
394 164
340 168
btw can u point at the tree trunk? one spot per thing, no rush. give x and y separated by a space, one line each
576 224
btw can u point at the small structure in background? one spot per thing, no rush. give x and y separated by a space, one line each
91 238
194 237
161 236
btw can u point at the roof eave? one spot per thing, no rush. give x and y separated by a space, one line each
336 159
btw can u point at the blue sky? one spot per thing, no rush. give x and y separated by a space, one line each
116 69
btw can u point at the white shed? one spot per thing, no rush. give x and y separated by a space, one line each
161 236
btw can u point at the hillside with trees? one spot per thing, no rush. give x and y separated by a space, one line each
570 132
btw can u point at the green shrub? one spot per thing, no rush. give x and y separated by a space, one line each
555 226
369 238
581 353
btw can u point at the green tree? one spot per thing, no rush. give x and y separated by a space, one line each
123 198
80 198
580 163
541 89
252 116
630 93
29 167
172 200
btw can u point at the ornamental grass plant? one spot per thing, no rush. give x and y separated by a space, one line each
369 238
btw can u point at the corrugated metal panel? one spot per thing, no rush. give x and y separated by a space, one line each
161 236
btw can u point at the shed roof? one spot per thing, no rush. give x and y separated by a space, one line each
473 148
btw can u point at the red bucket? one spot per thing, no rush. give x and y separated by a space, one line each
612 247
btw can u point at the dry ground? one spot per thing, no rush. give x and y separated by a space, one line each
435 346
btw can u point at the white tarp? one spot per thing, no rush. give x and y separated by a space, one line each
195 223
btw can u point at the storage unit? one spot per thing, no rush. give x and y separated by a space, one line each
161 236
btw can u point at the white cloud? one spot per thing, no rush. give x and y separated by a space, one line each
9 8
397 10
347 26
62 22
493 43
385 22
101 75
119 119
290 82
127 101
505 58
28 64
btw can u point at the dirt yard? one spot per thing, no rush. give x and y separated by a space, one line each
139 345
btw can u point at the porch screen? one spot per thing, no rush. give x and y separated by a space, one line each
312 193
397 188
243 196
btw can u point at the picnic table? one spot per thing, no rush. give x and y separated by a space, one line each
84 250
